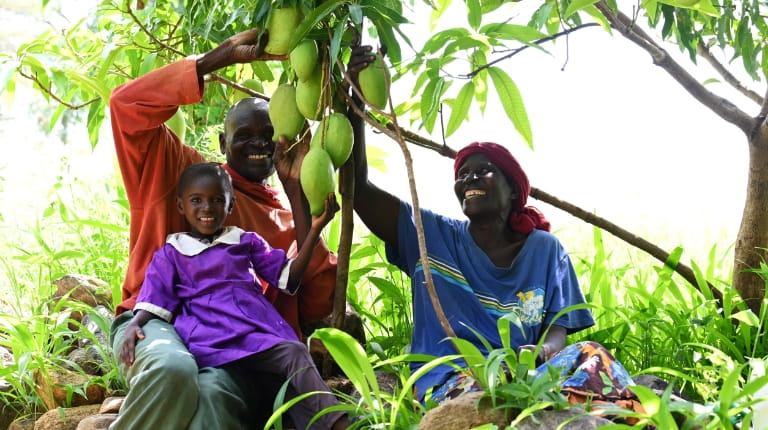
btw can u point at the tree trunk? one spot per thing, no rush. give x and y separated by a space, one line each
752 240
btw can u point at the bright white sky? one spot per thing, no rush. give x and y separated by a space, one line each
612 133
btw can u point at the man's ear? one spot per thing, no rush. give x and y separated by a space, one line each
179 205
222 143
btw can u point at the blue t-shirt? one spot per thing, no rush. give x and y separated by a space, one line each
475 293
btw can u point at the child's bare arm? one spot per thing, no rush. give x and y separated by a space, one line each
301 261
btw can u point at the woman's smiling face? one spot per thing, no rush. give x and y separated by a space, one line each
483 189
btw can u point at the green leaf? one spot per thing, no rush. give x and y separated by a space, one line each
474 13
504 323
107 63
490 5
599 17
90 83
577 5
351 357
387 38
472 356
460 107
389 289
430 102
512 102
703 6
747 317
147 64
438 40
338 34
312 19
504 31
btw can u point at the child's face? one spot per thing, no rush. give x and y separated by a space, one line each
205 204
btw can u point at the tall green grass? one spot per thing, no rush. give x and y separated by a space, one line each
83 230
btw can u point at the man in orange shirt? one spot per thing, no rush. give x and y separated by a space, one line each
166 389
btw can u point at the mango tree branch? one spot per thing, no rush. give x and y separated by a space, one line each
763 112
48 90
214 77
636 241
347 191
719 105
727 76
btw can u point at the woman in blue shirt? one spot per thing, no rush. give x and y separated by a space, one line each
500 259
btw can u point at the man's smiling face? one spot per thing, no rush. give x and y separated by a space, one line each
247 140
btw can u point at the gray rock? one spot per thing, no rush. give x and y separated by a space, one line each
576 419
66 418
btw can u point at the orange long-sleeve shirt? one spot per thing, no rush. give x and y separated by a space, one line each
151 157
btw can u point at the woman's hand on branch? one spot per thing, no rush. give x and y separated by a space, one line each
362 56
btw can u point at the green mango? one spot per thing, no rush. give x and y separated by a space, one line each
308 96
304 59
281 24
253 84
284 114
317 178
178 124
374 83
334 134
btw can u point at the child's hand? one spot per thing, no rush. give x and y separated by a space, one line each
133 333
331 207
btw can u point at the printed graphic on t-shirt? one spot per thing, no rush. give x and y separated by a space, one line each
531 306
528 305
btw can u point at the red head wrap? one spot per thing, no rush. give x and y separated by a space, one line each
523 218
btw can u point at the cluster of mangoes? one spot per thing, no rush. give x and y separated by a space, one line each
292 104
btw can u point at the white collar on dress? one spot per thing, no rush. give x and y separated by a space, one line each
191 246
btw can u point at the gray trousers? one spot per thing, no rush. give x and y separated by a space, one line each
168 392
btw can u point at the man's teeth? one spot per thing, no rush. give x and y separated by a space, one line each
257 156
207 219
473 193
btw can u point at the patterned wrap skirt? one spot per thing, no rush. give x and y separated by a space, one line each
592 375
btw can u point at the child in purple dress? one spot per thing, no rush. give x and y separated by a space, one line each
208 281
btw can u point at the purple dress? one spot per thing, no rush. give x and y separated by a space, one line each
212 294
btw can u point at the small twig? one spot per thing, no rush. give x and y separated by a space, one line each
149 33
54 96
218 78
524 47
727 76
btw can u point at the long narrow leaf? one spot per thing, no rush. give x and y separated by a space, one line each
460 107
512 102
351 357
